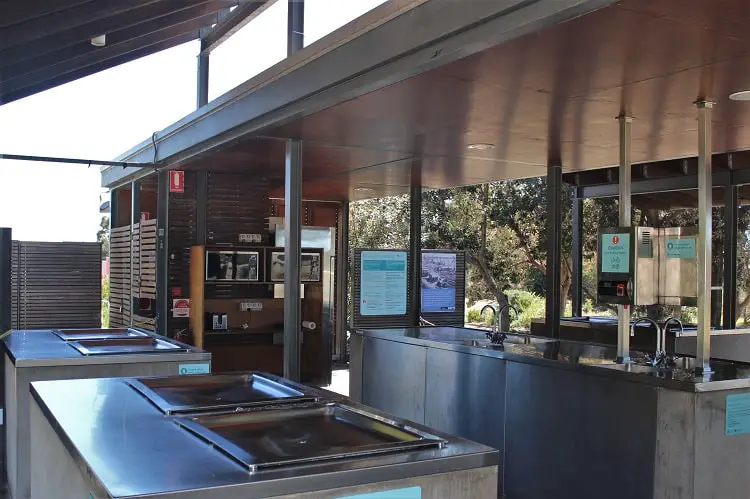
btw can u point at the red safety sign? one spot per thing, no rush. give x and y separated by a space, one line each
181 307
176 181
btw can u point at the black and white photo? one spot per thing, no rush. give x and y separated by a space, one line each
310 269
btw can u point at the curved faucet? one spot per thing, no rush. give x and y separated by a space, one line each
660 340
495 336
505 307
678 322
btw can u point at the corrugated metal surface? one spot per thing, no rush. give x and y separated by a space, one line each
56 285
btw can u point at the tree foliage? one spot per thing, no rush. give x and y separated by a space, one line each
102 236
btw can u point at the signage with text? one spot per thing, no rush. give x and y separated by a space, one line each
615 253
383 283
176 181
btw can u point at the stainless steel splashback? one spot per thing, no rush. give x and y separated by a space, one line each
678 266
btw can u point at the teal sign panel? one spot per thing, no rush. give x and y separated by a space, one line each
681 248
615 253
202 368
408 493
738 414
382 284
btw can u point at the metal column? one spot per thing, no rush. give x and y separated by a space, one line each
577 287
135 217
201 207
162 254
623 311
342 281
295 26
202 92
113 208
292 252
705 203
554 228
5 278
731 203
415 253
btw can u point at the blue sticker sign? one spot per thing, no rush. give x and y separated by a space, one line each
408 493
738 414
681 248
615 251
202 368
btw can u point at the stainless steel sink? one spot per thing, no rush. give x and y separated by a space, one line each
123 346
97 334
631 368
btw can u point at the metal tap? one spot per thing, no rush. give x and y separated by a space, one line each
678 322
495 336
505 307
660 340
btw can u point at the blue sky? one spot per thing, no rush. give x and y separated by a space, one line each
105 114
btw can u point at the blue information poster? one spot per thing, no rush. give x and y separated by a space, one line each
738 414
408 493
615 253
438 282
382 284
681 248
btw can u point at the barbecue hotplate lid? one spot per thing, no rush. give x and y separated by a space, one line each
200 393
124 346
97 334
290 436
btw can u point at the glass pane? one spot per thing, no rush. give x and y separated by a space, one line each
253 49
325 16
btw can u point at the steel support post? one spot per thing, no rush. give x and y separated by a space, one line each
295 26
201 207
162 254
135 217
292 256
113 208
624 201
415 253
705 204
554 229
5 278
342 281
202 92
731 206
577 287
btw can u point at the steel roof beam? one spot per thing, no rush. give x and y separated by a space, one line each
18 11
94 66
183 22
168 12
19 34
235 21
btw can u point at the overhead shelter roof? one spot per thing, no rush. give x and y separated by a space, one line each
397 96
46 43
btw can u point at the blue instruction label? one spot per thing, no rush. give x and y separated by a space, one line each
738 414
202 368
408 493
681 248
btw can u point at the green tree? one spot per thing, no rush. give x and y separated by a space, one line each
102 236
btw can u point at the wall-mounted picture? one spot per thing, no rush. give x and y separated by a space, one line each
310 269
277 266
246 265
219 265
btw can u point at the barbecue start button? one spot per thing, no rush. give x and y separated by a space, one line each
621 289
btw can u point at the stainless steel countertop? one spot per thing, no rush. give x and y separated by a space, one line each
127 447
592 358
42 348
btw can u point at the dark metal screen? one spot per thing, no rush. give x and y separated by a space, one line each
56 285
454 318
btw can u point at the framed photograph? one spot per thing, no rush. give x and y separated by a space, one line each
310 270
277 266
219 265
246 265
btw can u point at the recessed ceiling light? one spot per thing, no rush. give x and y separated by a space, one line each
480 146
742 95
99 41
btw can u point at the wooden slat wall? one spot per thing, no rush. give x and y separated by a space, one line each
120 274
237 204
147 259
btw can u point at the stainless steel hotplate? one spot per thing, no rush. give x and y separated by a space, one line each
124 346
97 334
200 393
291 436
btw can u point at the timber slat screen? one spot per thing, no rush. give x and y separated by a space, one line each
132 272
55 285
120 304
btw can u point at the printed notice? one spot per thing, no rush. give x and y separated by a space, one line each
438 282
202 368
408 493
738 414
681 248
615 251
383 283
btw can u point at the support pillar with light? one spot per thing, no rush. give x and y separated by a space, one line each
292 259
705 204
624 201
